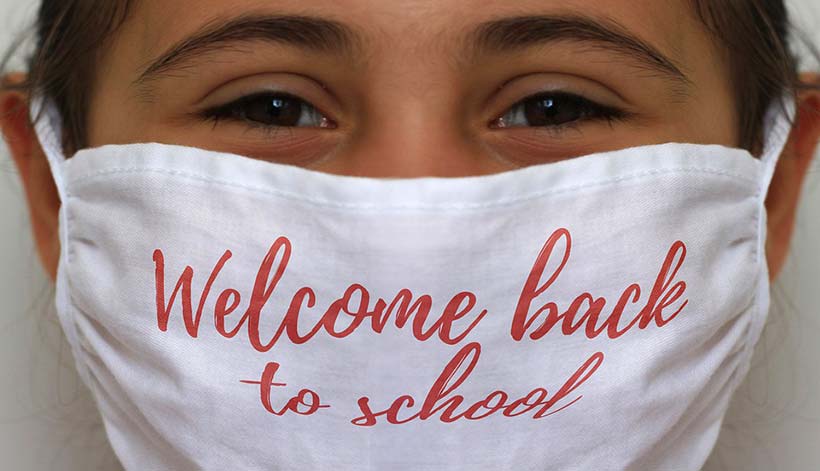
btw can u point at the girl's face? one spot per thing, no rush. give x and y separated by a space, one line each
397 88
407 88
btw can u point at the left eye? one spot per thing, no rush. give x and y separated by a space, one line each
271 110
554 110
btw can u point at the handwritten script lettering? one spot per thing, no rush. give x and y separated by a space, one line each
535 315
441 398
457 308
664 293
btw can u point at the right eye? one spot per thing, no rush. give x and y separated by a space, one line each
270 110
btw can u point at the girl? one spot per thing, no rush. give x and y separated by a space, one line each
412 235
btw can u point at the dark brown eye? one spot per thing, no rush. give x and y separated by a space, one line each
274 111
271 110
554 109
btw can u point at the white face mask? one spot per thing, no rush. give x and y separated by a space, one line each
231 313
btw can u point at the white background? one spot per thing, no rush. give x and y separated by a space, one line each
48 421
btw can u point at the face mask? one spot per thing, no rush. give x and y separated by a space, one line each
232 313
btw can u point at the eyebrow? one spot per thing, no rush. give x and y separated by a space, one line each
517 33
331 37
305 32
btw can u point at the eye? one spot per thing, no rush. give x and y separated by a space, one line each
555 110
271 110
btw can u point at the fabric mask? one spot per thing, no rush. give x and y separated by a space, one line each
591 314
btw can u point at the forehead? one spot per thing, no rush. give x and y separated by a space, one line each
393 25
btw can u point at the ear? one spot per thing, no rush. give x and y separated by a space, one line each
32 166
784 194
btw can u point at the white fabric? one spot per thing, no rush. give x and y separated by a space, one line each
676 232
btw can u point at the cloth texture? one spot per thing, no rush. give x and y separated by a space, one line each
590 314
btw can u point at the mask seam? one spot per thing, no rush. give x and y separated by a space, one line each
762 296
779 134
328 203
70 319
47 130
758 312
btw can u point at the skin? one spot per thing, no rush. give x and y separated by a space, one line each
411 102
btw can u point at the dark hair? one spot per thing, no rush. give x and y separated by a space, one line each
756 39
69 39
755 35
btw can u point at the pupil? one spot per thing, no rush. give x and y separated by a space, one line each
277 111
551 111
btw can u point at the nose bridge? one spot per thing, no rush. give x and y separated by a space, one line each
416 134
411 114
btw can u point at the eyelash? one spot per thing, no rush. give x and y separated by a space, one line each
238 110
587 111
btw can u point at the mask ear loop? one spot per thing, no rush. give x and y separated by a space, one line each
777 128
48 127
779 119
778 125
